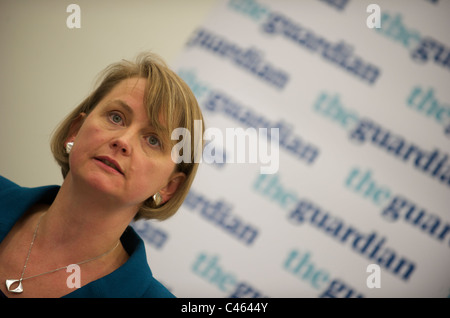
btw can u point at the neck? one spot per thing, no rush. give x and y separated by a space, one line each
83 222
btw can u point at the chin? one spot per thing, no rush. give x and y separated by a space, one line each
99 182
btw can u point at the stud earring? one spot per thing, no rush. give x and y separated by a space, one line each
69 146
157 198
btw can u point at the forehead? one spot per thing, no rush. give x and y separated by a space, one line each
130 91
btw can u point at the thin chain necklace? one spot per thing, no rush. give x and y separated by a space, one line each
19 288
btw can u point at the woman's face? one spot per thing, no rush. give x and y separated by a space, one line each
117 152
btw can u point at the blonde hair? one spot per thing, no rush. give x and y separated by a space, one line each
167 95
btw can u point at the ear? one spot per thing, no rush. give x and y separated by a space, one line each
75 127
171 188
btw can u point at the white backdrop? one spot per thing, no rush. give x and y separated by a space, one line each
363 175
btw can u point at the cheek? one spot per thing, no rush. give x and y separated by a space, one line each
152 177
86 141
90 137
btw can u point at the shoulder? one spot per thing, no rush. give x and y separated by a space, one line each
16 197
16 200
6 184
157 290
9 194
137 268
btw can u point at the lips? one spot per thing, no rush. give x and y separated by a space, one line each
110 163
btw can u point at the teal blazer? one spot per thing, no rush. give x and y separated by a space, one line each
133 279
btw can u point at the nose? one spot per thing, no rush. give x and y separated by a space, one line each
120 145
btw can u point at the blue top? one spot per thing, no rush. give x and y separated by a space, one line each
133 279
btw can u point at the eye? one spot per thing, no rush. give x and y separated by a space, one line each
115 118
153 141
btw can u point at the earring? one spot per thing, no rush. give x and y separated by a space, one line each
157 198
69 146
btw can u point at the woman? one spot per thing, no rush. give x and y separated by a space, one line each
114 150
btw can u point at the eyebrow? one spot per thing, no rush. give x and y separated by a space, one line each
124 105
